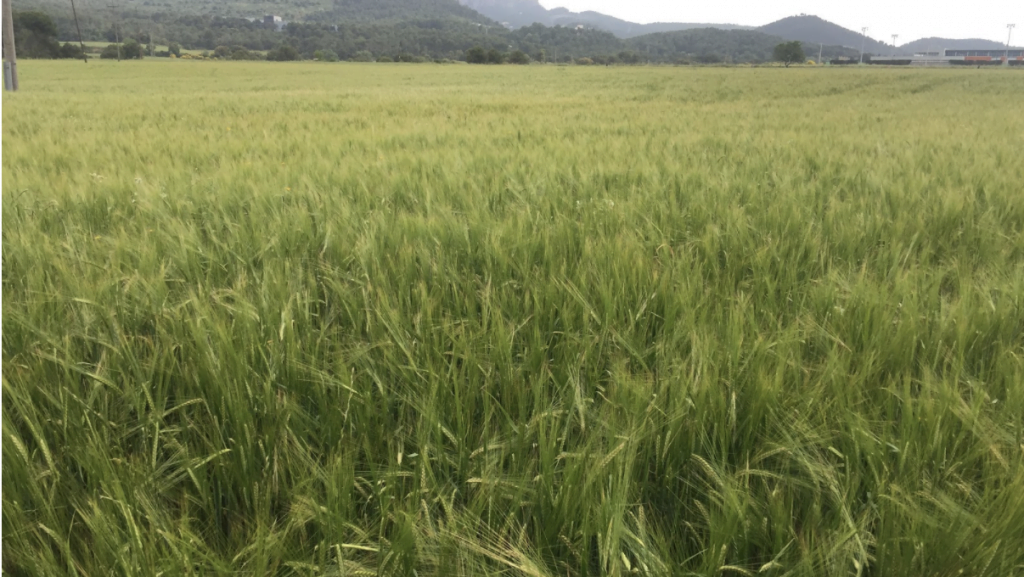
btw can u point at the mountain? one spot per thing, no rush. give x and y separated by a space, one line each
814 30
335 11
939 44
520 13
515 13
400 11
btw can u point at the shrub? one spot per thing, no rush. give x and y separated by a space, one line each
519 57
69 50
495 57
132 50
476 55
284 53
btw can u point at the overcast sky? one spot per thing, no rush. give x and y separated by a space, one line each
911 19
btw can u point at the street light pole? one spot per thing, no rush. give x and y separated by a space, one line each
894 37
1009 35
863 40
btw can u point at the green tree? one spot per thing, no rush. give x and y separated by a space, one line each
519 57
35 35
132 50
362 56
629 57
283 53
328 55
476 55
495 57
174 48
71 51
789 53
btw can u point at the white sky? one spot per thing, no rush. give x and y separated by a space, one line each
911 19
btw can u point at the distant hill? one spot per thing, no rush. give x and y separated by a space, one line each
402 11
814 30
811 30
938 44
366 11
714 45
516 13
520 13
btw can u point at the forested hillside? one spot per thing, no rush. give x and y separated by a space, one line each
404 30
712 45
937 44
348 10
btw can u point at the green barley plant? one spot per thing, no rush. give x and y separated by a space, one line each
265 319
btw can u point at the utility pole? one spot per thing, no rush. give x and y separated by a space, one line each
80 43
10 59
821 48
1009 35
894 37
117 32
863 40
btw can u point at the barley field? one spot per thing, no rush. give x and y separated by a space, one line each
339 319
